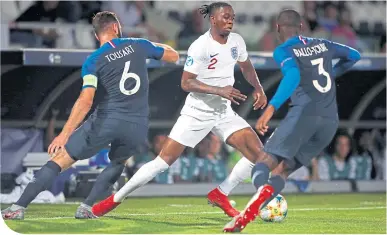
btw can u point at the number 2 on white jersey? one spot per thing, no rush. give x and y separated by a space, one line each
127 75
321 71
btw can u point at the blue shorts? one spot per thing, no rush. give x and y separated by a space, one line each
301 137
126 139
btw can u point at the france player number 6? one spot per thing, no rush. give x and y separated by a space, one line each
321 71
127 75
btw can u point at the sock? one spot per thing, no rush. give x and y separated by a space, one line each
239 173
106 179
260 174
42 180
145 174
278 184
85 206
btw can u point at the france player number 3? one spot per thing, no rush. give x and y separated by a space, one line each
126 75
321 71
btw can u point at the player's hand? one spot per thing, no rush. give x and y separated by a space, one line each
260 99
57 144
262 122
230 93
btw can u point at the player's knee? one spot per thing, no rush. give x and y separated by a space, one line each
62 159
267 158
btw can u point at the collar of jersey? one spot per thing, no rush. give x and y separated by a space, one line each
292 41
210 36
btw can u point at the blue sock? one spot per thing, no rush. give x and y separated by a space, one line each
278 184
43 179
106 179
260 174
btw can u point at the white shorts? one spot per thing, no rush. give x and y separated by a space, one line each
189 130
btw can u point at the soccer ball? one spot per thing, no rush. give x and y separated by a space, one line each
275 211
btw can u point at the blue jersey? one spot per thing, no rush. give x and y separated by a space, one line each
309 74
118 70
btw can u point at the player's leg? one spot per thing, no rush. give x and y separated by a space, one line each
82 144
279 175
283 145
42 180
104 181
188 131
231 129
312 148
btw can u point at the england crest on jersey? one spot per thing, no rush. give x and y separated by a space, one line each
234 52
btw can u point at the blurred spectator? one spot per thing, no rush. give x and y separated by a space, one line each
335 166
202 149
384 163
217 166
50 131
329 20
193 28
306 173
383 44
211 167
131 14
44 11
306 28
310 14
371 149
269 41
166 177
344 32
302 173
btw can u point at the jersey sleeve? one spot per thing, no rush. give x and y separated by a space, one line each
89 73
152 51
347 56
291 79
195 58
341 51
284 59
243 55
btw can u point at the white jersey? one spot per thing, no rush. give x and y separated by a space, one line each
213 63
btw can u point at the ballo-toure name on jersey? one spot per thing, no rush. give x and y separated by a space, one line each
120 53
309 51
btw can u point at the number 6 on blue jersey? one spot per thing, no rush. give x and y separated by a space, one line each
126 75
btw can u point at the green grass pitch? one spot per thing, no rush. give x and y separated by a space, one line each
308 214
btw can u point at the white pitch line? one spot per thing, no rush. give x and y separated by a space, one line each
219 212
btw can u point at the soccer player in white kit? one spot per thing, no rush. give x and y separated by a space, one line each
209 77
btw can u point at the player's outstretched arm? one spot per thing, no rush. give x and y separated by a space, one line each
291 78
348 57
80 109
170 54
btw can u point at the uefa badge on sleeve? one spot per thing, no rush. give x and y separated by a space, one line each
234 52
189 61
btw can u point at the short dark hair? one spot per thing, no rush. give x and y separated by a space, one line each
289 17
103 19
210 9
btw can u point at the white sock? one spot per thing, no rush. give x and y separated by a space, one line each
240 172
145 174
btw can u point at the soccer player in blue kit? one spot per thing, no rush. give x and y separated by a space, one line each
119 70
312 120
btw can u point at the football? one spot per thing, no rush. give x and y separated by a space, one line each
275 211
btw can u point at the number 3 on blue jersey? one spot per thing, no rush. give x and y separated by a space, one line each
321 71
126 75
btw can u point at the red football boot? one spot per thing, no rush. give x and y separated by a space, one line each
238 223
105 206
217 198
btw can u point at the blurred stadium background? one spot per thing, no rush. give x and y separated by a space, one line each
43 45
